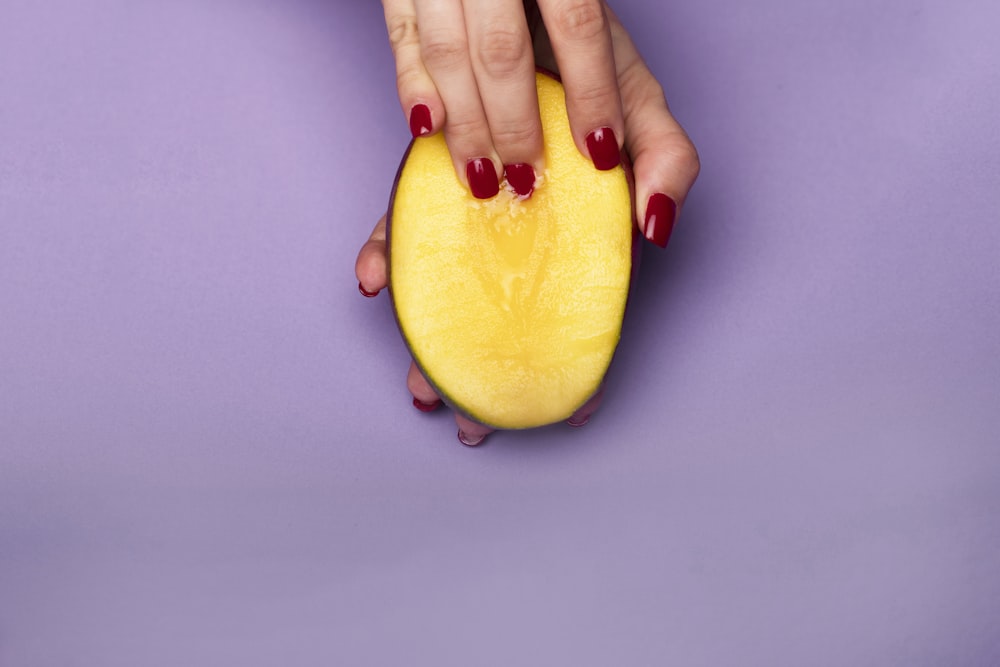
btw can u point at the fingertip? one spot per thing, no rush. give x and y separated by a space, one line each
365 293
659 218
481 175
583 415
666 167
580 36
603 148
521 178
420 388
470 440
471 433
421 121
370 268
426 407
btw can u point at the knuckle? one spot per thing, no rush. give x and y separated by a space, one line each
465 130
635 79
408 75
402 31
580 20
502 51
688 160
677 156
510 135
639 88
643 103
593 95
444 50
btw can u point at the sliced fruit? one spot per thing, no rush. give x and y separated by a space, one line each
512 307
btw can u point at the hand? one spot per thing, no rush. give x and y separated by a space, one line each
466 67
665 166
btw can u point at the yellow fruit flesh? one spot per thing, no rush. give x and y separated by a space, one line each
512 308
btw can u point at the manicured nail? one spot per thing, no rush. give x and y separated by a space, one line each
482 177
660 214
420 121
577 422
426 407
470 442
521 177
603 147
361 288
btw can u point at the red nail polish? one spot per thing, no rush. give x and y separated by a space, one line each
361 288
660 214
521 177
577 423
482 177
470 442
420 121
603 147
426 407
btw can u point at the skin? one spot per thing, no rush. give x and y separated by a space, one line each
663 158
470 62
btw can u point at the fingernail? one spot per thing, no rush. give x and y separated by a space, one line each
482 177
361 288
420 121
603 147
426 407
521 177
660 214
577 422
470 442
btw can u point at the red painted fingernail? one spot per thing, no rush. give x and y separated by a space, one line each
603 147
470 442
420 121
660 214
578 422
482 177
521 177
426 407
361 288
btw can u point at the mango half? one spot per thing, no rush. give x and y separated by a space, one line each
512 308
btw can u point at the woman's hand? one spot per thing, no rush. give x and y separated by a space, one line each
665 166
466 67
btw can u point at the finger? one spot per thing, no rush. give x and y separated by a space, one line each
419 98
444 48
541 46
504 67
579 31
664 160
469 432
425 398
582 416
370 266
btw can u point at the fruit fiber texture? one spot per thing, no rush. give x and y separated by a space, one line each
512 307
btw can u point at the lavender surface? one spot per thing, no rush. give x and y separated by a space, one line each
208 455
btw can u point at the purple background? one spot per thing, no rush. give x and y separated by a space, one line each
207 452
